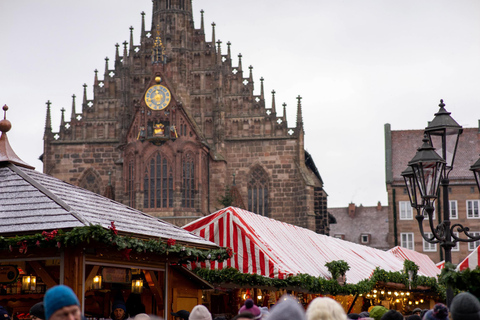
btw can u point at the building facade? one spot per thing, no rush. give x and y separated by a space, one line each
400 147
174 122
363 225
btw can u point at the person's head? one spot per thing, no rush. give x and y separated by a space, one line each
119 310
4 314
244 316
465 306
37 311
439 312
417 311
181 315
287 308
392 315
249 306
377 312
324 308
142 316
61 303
200 312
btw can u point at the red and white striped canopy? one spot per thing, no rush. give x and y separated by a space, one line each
471 261
426 266
276 249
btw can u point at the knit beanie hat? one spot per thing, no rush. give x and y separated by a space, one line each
465 306
200 312
184 314
392 315
4 314
119 305
287 309
377 312
58 297
364 314
439 312
38 310
249 306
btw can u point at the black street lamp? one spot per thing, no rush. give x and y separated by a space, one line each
430 170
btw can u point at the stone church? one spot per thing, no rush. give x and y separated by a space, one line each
175 129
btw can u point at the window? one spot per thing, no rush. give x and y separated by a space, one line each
131 185
258 191
365 238
457 244
453 209
472 209
158 183
429 247
473 245
406 212
407 240
188 181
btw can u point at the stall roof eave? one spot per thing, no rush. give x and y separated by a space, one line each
32 202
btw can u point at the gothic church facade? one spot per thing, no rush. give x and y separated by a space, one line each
174 126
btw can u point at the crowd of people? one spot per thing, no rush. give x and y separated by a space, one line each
61 303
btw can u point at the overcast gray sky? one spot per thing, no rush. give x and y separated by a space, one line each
358 64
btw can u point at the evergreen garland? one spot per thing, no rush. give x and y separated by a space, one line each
110 237
466 280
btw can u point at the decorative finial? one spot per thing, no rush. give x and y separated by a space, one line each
5 125
441 105
273 92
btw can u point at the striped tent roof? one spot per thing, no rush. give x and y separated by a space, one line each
426 265
471 261
276 249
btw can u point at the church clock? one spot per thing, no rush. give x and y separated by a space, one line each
157 97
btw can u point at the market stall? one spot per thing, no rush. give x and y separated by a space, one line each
56 233
274 249
471 261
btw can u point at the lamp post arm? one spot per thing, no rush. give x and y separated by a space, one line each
464 230
433 238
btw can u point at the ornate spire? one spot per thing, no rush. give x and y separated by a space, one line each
219 52
95 79
202 25
213 33
228 50
143 24
131 40
48 119
261 89
284 118
250 77
158 51
106 68
274 111
125 53
299 113
117 53
239 62
84 103
62 120
74 112
6 152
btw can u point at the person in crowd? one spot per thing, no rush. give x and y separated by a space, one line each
60 302
364 314
353 316
417 311
37 311
287 308
392 315
200 312
377 312
439 312
134 305
244 316
142 316
414 317
465 306
324 308
423 313
119 311
265 312
249 306
4 314
181 315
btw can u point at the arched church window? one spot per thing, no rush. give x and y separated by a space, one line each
258 191
131 184
188 181
158 183
91 181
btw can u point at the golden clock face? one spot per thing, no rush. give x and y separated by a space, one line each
157 97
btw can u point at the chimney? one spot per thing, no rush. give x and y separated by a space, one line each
379 206
351 210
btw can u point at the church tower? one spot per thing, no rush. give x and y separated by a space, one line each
174 123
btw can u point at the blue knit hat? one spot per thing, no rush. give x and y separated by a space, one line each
58 297
4 314
119 305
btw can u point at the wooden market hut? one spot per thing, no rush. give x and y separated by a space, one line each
278 250
53 233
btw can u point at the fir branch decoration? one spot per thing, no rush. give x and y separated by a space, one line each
337 268
110 237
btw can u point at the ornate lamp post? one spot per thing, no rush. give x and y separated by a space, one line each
428 170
